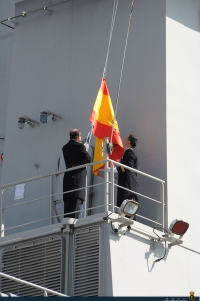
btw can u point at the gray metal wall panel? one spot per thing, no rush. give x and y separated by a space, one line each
86 262
37 261
7 8
58 63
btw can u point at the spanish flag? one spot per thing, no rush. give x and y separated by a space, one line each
103 120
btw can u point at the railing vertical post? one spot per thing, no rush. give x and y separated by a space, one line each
86 196
112 185
106 189
51 200
163 203
2 213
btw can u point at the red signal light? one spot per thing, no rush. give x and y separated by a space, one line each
179 227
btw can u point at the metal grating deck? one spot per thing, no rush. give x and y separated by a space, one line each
86 262
38 261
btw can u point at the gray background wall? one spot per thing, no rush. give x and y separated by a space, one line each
57 64
7 9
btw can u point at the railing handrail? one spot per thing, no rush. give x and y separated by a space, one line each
78 167
107 191
41 220
44 289
137 171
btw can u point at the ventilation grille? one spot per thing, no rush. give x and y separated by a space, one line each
37 261
86 262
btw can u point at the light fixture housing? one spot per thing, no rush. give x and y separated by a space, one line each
129 208
24 14
178 227
26 119
44 116
21 123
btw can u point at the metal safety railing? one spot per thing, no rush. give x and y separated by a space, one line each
24 13
109 195
44 289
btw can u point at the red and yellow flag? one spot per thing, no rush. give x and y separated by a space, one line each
103 120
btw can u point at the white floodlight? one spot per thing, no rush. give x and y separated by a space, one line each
129 208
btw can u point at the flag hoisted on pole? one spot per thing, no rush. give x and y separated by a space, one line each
105 125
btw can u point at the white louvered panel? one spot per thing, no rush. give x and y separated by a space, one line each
37 261
86 262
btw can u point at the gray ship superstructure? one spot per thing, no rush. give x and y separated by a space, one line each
52 56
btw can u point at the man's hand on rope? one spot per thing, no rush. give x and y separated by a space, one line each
86 144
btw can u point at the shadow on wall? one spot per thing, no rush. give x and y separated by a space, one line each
185 12
156 251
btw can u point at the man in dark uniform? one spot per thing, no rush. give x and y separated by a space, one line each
75 154
127 178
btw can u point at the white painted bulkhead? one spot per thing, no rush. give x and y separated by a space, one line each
183 106
125 264
134 272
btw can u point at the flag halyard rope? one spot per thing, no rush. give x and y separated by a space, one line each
121 73
115 6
